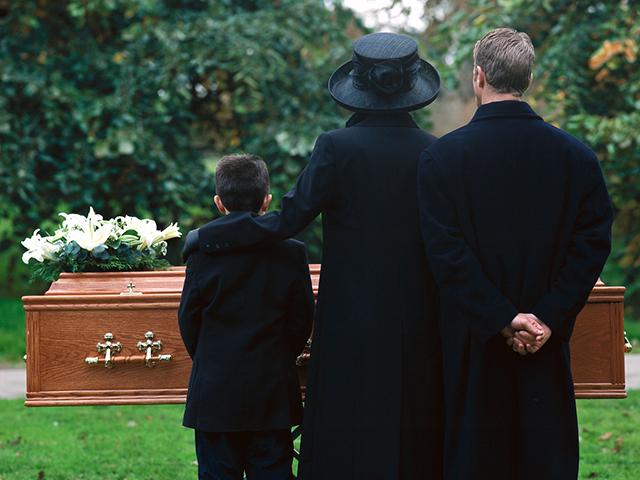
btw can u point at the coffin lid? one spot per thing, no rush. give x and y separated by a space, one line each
171 281
110 283
166 281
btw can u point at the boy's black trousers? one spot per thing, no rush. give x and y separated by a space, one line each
262 455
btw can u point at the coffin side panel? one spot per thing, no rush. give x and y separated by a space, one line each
33 351
64 326
61 335
597 346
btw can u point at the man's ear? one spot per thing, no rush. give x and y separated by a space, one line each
221 208
265 204
478 76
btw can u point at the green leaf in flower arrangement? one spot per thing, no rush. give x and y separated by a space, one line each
130 239
123 248
72 248
100 252
124 252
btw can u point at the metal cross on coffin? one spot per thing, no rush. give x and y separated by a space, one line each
151 347
131 289
107 348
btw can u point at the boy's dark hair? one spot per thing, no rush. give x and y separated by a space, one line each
242 181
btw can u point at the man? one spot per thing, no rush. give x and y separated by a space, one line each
516 221
374 408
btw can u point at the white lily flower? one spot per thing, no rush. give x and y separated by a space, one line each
172 231
90 233
57 236
73 221
88 239
146 232
40 248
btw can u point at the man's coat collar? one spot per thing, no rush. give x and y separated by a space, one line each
506 108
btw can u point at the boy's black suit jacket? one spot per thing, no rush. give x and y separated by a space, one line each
516 218
244 317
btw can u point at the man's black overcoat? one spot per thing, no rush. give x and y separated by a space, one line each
374 406
244 317
516 218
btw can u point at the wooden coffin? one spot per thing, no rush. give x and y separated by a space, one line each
113 339
77 316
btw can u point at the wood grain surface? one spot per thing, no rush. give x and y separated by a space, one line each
65 324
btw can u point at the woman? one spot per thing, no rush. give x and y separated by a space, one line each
374 407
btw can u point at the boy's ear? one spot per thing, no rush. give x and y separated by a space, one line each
221 208
265 204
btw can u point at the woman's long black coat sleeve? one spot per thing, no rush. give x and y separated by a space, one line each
313 192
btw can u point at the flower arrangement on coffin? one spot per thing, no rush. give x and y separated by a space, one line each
92 244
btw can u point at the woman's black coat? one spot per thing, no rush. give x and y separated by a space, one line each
374 407
516 218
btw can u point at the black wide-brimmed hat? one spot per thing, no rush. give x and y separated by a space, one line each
385 74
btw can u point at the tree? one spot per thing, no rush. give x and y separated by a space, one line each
586 81
126 105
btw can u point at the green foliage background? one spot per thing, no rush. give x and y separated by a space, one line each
125 105
586 81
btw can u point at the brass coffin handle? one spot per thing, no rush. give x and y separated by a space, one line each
109 348
627 344
151 347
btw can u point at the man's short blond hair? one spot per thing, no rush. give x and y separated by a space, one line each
506 56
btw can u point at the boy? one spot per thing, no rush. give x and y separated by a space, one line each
244 317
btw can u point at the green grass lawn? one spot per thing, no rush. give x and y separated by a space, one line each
610 438
68 443
102 443
148 442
